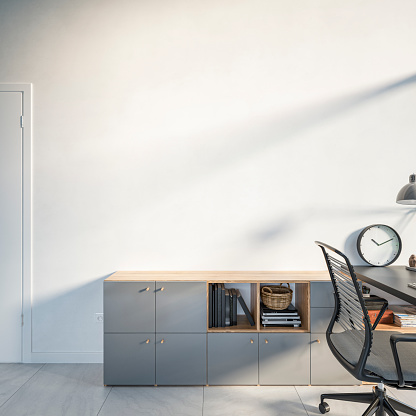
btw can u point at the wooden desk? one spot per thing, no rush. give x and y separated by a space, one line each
390 279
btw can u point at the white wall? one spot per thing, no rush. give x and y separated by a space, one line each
205 135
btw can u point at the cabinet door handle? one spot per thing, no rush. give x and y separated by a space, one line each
251 341
147 289
147 341
318 341
266 341
162 288
162 341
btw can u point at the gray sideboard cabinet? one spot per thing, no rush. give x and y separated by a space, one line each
154 333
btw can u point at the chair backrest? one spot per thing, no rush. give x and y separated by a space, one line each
354 333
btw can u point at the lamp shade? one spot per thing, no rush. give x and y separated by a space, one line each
407 195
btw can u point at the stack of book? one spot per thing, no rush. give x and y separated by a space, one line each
404 316
223 306
274 318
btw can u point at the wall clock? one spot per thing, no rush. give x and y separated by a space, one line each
379 245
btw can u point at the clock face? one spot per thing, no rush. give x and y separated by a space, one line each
379 245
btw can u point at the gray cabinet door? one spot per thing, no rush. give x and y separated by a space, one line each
181 307
129 306
233 359
325 368
181 359
284 359
129 359
320 318
322 295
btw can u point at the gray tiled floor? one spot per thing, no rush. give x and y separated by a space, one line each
77 390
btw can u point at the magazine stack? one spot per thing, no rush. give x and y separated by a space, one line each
404 316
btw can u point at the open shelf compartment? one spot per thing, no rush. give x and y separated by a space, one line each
251 295
300 300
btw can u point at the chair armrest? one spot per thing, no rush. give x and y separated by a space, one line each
394 339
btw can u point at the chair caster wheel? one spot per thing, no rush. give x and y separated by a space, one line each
324 407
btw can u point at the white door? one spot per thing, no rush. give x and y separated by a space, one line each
10 227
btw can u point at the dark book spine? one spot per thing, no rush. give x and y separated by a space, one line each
230 299
210 305
219 304
245 309
227 308
215 305
234 307
223 304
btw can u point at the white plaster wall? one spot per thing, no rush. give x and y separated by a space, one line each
205 135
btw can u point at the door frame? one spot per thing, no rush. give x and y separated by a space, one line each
26 90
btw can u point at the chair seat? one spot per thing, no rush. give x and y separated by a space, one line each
380 360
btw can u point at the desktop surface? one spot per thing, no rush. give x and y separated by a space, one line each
391 279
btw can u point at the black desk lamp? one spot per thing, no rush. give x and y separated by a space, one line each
407 195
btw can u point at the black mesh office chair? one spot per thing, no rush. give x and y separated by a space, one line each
383 357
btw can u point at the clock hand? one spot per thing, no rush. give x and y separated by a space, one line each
374 241
385 242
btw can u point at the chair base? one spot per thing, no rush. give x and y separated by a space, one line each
380 404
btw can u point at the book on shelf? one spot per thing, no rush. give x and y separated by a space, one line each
209 306
227 308
234 302
219 304
245 309
230 299
223 305
215 301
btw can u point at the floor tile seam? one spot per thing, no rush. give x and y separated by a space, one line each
300 398
203 399
27 381
106 397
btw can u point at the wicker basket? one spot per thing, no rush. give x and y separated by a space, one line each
276 297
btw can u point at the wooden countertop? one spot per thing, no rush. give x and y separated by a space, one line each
221 276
